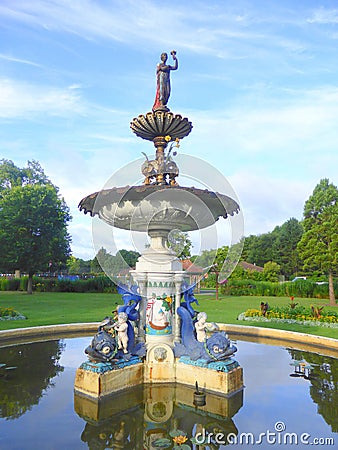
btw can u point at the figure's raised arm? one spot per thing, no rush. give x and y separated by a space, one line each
175 66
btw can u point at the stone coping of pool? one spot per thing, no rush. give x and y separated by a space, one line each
310 342
324 345
31 334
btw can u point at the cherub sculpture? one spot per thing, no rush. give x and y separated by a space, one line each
121 326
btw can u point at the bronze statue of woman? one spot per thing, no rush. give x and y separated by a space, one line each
163 82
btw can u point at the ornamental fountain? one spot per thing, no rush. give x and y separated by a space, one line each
156 336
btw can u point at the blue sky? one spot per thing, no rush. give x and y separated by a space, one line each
258 79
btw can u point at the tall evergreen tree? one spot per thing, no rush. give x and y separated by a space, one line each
285 247
319 244
259 249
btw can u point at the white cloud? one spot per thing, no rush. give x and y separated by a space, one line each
19 60
89 19
267 201
288 123
82 243
324 16
20 99
201 28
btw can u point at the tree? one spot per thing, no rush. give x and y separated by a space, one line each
113 265
129 256
318 246
33 221
221 255
180 243
77 266
259 249
279 245
12 176
206 258
101 262
285 247
73 265
271 271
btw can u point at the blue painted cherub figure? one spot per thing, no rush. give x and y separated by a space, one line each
115 339
195 343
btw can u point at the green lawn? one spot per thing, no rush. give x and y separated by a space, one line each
56 308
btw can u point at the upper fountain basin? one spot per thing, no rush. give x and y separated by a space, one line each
152 124
154 207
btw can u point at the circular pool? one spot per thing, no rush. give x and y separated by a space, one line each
278 405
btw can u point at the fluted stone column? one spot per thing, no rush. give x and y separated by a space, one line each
178 283
142 281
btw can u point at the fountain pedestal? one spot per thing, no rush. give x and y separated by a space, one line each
159 274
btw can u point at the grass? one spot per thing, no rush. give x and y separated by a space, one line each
227 309
50 308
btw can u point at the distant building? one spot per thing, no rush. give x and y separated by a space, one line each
252 267
195 272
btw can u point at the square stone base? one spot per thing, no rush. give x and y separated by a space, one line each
101 384
224 383
98 385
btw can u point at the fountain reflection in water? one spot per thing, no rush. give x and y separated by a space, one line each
152 416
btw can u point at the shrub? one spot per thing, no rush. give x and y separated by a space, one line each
44 284
23 283
3 284
8 313
13 284
9 284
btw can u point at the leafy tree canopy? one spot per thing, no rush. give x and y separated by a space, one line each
279 245
205 259
180 243
77 266
271 271
113 264
33 220
12 176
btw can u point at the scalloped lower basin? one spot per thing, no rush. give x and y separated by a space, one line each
146 208
39 409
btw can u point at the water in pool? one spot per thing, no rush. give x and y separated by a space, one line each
38 409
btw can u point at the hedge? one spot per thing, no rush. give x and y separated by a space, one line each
299 288
97 284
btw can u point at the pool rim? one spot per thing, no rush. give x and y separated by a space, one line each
272 336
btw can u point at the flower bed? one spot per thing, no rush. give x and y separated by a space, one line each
10 314
299 315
